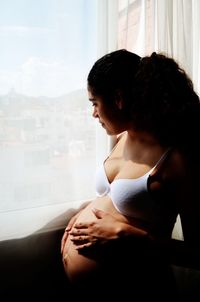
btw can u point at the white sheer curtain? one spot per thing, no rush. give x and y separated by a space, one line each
107 22
168 26
49 142
136 28
178 33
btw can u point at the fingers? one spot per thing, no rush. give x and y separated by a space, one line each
83 242
64 238
81 225
70 224
99 213
67 230
78 232
79 239
83 246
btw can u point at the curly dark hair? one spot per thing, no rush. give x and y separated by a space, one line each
112 73
158 94
165 102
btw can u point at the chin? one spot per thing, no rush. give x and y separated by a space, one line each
111 132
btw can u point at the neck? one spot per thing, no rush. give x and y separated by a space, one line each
138 145
141 138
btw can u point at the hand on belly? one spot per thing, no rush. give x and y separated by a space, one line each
78 262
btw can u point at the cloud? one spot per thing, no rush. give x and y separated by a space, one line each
39 77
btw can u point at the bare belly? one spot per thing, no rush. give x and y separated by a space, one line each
78 265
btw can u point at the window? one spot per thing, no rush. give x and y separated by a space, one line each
49 142
136 26
47 133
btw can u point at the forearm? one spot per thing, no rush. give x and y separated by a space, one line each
127 230
178 252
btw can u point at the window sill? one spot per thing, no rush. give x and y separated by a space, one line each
18 224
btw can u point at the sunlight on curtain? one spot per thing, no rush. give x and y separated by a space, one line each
136 26
164 26
178 34
49 142
107 42
107 24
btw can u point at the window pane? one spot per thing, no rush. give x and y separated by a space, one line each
47 134
136 26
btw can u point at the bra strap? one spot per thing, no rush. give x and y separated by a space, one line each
162 158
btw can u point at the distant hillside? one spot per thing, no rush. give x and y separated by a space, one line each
74 99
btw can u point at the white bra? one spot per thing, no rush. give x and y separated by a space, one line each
129 196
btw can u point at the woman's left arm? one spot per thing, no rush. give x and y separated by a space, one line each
105 228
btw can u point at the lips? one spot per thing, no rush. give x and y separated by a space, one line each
102 124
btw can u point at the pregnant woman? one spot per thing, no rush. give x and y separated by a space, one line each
141 185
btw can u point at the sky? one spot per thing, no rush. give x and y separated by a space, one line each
46 46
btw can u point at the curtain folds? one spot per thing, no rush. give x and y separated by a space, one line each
178 33
107 24
168 26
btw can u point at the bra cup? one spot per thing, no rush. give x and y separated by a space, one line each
131 198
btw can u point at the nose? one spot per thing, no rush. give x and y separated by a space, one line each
95 113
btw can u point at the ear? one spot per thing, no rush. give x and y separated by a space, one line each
119 104
119 100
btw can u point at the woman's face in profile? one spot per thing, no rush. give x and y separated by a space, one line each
109 116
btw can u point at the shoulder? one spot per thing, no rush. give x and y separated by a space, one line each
183 179
173 165
183 167
178 163
171 175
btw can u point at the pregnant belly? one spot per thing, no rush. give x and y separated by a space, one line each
77 265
